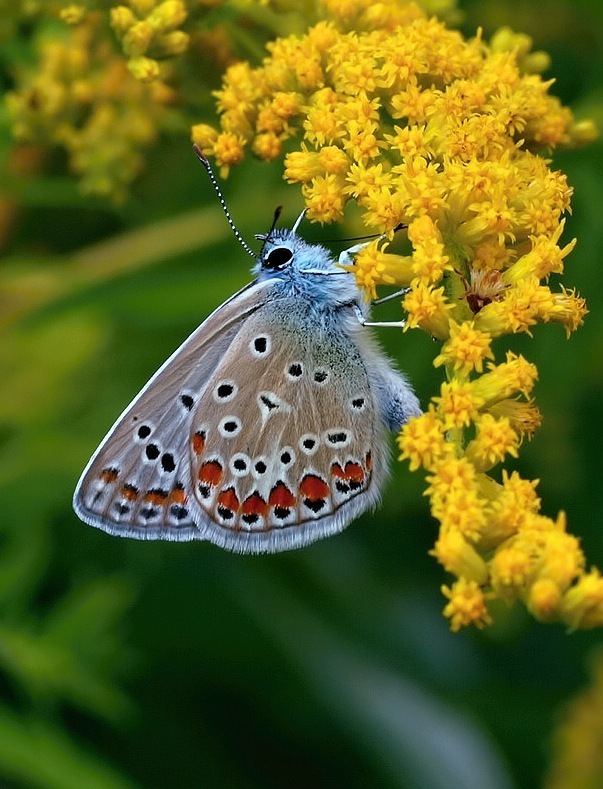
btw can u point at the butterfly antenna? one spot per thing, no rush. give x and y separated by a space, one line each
265 237
214 182
397 228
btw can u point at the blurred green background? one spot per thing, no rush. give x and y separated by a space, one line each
125 664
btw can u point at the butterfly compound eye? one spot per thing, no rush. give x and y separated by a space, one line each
277 258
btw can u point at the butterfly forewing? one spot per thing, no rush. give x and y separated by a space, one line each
138 483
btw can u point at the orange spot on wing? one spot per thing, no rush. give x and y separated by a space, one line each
129 492
198 442
354 471
313 488
337 471
156 497
228 499
109 474
281 496
211 473
254 505
178 496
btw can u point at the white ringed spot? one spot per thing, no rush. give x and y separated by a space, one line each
260 345
240 464
357 403
337 437
321 376
287 456
225 391
270 404
230 426
309 443
260 467
142 432
294 371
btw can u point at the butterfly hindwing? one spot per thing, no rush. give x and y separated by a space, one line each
286 446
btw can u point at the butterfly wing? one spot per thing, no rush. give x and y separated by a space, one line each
138 483
286 444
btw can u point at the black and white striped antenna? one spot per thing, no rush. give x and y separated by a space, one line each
214 182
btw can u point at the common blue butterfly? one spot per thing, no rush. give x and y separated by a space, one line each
267 429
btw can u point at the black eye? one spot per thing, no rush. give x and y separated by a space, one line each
277 257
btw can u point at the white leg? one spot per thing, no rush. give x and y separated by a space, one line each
395 295
346 258
383 324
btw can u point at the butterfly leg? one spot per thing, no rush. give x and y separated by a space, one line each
384 324
395 295
346 258
396 401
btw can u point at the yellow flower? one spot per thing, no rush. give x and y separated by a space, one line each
148 31
583 603
449 474
143 68
456 555
466 349
523 416
422 441
429 259
544 600
545 257
324 197
427 308
511 507
84 100
505 380
372 266
495 438
366 179
567 309
228 150
510 570
73 14
456 404
466 605
462 510
562 560
204 136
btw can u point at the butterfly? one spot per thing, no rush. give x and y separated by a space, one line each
267 429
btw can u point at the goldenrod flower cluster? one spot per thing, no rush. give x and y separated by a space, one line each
101 81
385 107
150 31
82 97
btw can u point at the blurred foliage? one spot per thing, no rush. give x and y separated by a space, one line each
132 664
